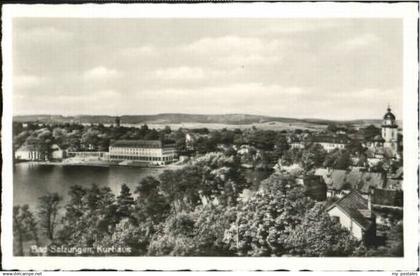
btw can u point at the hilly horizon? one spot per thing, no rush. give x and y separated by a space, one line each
177 118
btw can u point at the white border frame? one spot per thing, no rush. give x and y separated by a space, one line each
407 11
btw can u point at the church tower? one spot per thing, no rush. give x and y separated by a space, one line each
390 131
117 121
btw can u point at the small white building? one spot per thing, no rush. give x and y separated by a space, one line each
56 152
297 145
29 153
353 212
243 149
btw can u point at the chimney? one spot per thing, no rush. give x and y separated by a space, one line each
370 194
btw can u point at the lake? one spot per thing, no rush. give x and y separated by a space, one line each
30 181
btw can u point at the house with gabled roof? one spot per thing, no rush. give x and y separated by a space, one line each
354 213
341 182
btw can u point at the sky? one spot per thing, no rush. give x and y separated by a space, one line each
339 69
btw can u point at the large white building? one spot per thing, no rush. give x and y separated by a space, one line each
149 151
330 143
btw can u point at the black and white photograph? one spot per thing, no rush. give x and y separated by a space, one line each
232 137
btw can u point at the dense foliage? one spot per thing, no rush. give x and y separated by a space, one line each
205 208
200 210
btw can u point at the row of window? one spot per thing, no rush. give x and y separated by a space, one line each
136 153
135 150
141 158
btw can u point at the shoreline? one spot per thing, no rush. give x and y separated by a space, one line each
100 164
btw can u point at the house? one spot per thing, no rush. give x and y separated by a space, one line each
189 141
330 143
56 153
390 199
341 182
244 149
373 161
315 187
387 205
376 142
394 180
297 145
31 152
293 169
223 147
354 213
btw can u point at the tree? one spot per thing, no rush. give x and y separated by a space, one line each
281 146
125 203
25 227
210 225
265 220
175 239
48 209
332 127
355 147
370 131
313 156
150 203
318 236
91 216
338 159
167 130
396 240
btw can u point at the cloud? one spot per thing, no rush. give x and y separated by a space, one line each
186 74
229 44
99 73
138 51
232 98
180 73
27 81
359 42
46 34
292 27
237 50
268 66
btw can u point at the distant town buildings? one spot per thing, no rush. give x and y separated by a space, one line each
149 151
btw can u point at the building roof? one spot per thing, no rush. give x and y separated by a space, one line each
398 174
330 139
389 115
393 184
140 144
378 138
353 179
356 207
392 198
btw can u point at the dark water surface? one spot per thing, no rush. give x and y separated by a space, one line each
30 181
